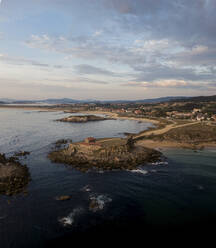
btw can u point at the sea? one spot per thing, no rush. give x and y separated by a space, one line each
176 198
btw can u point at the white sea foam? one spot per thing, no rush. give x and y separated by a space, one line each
98 202
69 220
86 188
141 171
160 163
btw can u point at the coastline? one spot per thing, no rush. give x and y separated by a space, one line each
170 144
60 108
141 136
116 116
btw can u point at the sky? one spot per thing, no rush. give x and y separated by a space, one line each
107 49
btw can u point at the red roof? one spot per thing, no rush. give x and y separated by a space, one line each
91 139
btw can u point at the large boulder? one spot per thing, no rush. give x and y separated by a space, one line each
14 177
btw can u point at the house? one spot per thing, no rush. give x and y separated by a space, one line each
213 117
200 117
195 110
90 140
138 112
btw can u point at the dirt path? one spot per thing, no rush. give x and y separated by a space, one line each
163 130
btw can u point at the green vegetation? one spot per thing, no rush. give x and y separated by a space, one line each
198 133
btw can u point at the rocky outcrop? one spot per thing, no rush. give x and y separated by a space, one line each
14 177
106 154
83 118
22 154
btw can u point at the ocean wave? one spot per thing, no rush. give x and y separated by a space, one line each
141 171
69 220
86 188
98 202
160 163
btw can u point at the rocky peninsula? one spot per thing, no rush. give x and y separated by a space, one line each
83 118
14 177
105 154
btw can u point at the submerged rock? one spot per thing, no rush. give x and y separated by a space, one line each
14 177
63 198
98 202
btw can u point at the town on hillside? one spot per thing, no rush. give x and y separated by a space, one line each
195 109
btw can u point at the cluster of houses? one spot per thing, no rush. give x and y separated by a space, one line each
196 114
157 111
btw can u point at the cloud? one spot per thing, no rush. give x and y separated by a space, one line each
183 20
92 70
70 82
21 61
163 44
173 84
148 60
88 48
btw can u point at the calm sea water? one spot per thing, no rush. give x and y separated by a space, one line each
173 196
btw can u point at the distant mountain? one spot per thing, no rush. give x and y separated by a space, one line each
163 99
59 101
70 101
73 101
199 99
6 100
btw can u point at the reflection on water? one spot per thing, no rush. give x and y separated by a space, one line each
156 196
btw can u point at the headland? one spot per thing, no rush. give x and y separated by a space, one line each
105 154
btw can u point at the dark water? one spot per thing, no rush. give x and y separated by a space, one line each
159 199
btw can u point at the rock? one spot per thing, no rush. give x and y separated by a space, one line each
63 198
94 206
83 118
14 177
98 202
21 154
107 154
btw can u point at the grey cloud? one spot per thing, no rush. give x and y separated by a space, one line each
158 72
173 84
21 61
188 21
92 70
25 61
77 81
87 48
148 60
186 25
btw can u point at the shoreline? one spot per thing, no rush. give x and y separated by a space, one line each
56 109
142 134
116 116
170 144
